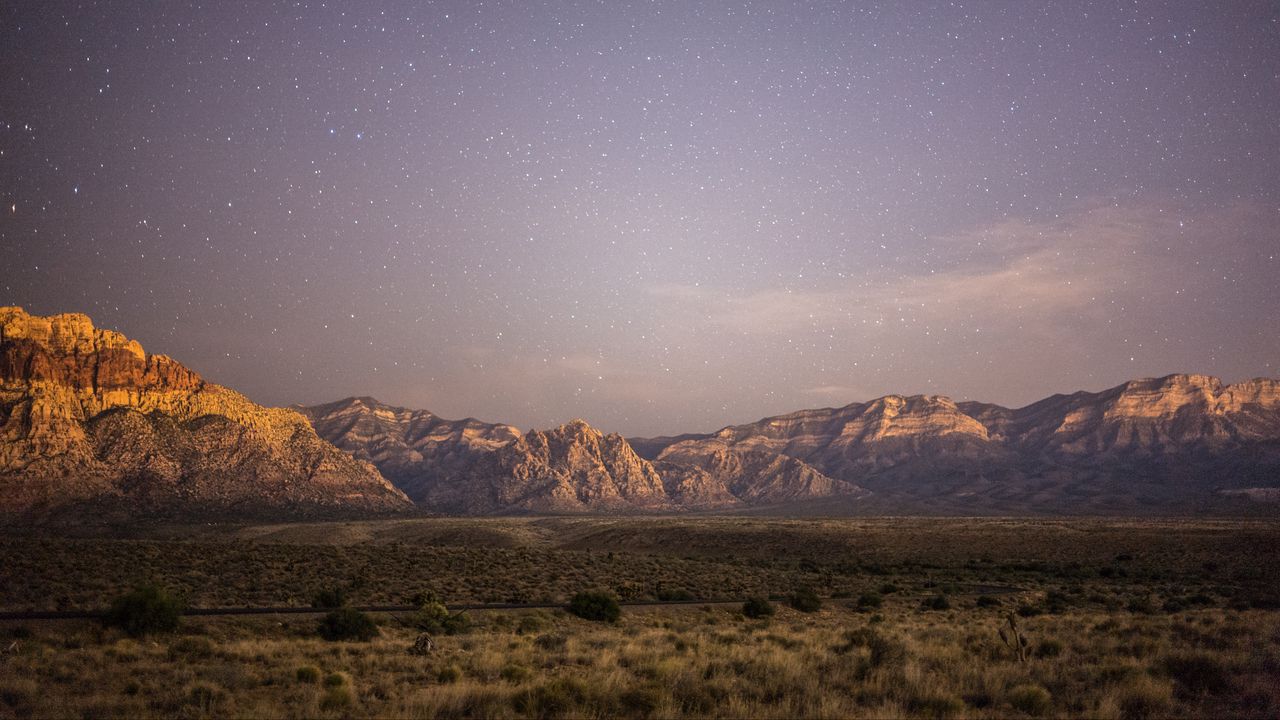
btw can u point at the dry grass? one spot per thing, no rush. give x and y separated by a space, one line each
1123 621
696 662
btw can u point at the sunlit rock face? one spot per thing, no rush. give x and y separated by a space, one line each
1182 442
88 417
466 466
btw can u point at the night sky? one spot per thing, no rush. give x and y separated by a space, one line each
662 217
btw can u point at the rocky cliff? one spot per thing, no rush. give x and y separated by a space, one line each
1182 442
88 418
471 467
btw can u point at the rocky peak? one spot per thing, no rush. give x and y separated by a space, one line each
86 414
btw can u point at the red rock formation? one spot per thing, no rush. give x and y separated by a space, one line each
87 417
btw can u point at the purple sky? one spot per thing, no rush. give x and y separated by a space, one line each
661 217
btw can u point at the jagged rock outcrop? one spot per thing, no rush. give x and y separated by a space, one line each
1182 442
414 449
87 418
472 467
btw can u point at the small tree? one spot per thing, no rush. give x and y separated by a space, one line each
146 609
757 607
347 624
597 605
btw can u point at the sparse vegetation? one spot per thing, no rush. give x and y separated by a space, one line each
1087 655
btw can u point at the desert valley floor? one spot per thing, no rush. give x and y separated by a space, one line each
1122 619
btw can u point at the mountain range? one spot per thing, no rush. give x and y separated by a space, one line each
89 420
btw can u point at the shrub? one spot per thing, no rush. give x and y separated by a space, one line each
869 601
550 642
1048 649
935 704
1031 699
596 605
329 599
449 674
515 673
937 602
562 696
204 697
888 589
1144 698
805 600
347 624
986 601
309 674
336 679
1198 674
757 607
433 617
147 609
338 697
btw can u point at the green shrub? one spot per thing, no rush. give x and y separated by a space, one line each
757 607
986 601
347 624
598 605
869 601
805 600
336 679
309 674
449 674
1031 699
433 617
145 610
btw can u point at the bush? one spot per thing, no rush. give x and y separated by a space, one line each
1048 649
805 600
937 602
674 594
757 607
329 599
204 697
347 624
869 601
1198 673
598 605
1144 698
147 609
309 674
986 601
1031 699
433 617
449 674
